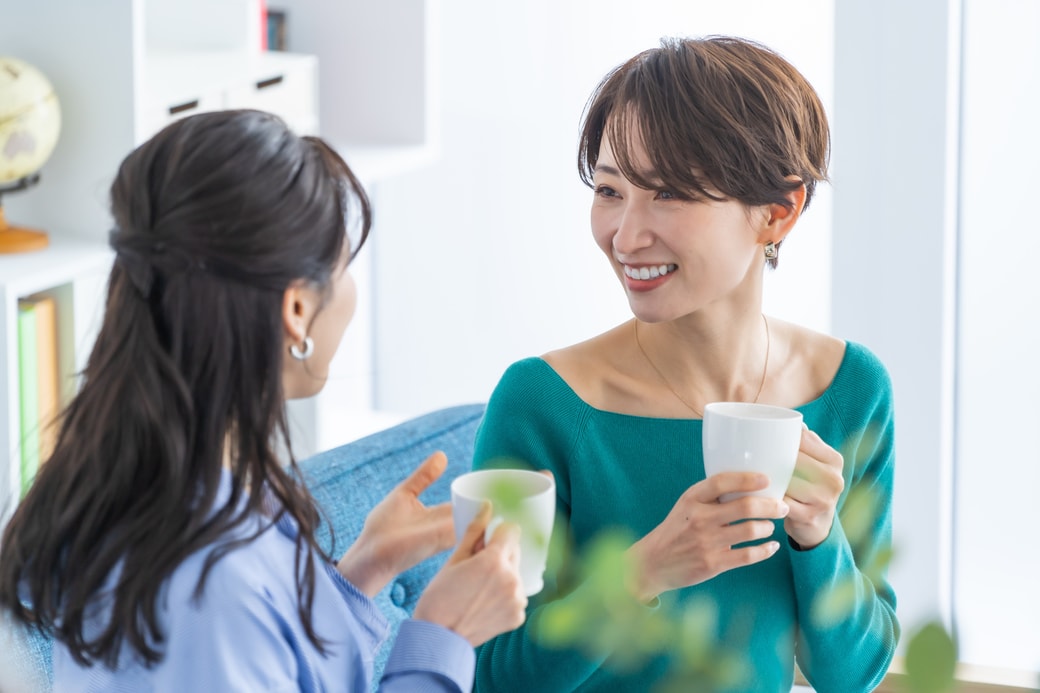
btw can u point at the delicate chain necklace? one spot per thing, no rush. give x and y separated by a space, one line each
765 369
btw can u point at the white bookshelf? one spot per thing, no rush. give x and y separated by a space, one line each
75 273
377 104
359 74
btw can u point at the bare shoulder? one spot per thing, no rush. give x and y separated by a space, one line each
597 369
811 360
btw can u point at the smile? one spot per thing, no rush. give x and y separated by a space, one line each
644 273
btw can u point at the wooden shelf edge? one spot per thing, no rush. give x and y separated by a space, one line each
61 262
970 678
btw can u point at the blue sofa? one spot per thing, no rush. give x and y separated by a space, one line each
347 482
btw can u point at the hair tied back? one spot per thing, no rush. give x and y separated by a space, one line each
130 257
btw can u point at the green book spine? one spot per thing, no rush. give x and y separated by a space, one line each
28 404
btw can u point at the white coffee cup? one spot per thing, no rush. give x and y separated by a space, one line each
524 497
743 437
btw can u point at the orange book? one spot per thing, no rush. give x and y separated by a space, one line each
48 396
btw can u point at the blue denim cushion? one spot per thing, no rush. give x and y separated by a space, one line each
25 658
350 480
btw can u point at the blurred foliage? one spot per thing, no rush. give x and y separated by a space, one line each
601 616
507 499
931 660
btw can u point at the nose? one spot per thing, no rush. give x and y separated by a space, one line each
634 231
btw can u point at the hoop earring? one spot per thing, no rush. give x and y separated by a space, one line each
770 250
308 350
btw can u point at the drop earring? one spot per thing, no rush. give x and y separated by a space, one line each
308 349
770 250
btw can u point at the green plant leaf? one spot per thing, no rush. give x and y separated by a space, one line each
931 660
834 604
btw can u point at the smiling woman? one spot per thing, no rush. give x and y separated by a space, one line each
702 155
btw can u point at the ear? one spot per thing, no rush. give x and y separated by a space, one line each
296 312
781 219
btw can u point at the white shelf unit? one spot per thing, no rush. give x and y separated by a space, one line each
377 104
75 274
124 68
378 85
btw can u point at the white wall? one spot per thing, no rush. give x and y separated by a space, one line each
895 162
997 603
486 257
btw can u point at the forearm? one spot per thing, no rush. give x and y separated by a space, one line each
847 624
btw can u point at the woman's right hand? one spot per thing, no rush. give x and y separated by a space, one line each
478 593
695 541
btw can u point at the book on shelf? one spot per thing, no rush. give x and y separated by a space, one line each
28 403
38 386
48 387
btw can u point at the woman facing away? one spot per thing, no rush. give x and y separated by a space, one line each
702 154
164 544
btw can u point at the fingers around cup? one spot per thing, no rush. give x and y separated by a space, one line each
489 531
526 499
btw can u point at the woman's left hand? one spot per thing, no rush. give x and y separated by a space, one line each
400 532
813 492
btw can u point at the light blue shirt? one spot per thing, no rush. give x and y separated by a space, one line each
245 634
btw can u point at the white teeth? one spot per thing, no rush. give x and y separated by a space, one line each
645 273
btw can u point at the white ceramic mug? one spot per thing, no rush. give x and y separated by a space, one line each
743 437
517 495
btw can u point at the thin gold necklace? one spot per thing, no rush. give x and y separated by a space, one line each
700 414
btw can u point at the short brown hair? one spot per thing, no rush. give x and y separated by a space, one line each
718 112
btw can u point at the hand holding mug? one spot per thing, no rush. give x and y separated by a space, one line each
524 497
814 491
695 541
478 593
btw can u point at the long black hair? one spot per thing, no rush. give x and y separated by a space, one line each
215 217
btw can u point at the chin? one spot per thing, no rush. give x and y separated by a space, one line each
650 314
304 390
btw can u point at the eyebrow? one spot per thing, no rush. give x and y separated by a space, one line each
613 171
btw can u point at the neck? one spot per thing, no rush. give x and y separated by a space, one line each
705 364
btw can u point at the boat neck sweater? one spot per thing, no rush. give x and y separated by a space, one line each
621 471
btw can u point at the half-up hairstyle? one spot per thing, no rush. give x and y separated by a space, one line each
215 217
713 114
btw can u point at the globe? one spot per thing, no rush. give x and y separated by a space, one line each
30 121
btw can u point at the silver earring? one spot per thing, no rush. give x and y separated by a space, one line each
770 250
308 349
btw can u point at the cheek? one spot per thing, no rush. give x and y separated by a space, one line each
336 315
602 229
347 301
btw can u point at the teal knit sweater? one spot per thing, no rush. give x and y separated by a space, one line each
615 470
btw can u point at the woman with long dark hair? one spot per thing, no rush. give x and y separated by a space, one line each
167 544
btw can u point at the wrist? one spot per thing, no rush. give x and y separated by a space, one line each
638 581
359 567
807 540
